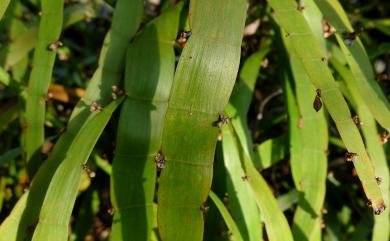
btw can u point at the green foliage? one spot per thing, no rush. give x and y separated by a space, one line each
120 130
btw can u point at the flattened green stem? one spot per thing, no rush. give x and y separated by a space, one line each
308 50
313 162
53 225
125 22
276 223
150 67
43 62
3 7
242 205
381 230
226 217
358 61
202 85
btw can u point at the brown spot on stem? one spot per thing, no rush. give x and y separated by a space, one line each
317 104
54 45
350 156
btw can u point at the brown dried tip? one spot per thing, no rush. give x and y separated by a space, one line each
380 209
54 45
378 180
222 120
95 107
328 29
317 104
204 208
160 160
350 156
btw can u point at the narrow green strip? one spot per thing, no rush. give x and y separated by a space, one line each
226 217
49 32
314 62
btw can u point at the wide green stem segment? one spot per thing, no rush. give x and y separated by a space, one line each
41 74
358 61
150 68
314 62
203 82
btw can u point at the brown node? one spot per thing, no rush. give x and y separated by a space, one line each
380 209
54 45
357 121
95 107
222 119
48 96
31 227
90 173
378 180
116 91
350 156
300 6
245 178
350 37
111 211
322 223
384 137
383 77
160 160
204 208
183 37
369 203
328 30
